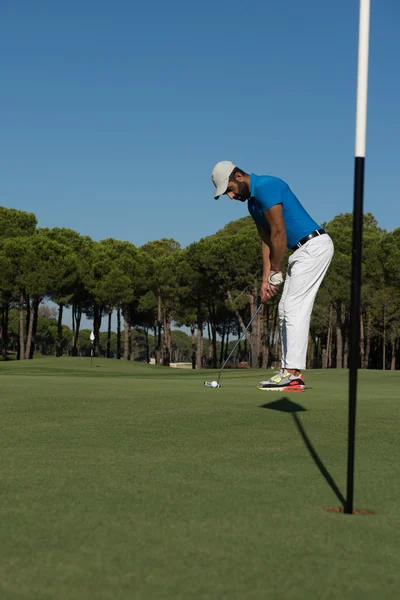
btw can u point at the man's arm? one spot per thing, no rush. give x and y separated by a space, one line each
266 262
267 291
277 241
265 287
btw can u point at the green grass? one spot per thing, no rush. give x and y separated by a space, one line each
130 481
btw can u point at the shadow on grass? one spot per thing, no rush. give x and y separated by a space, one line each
287 406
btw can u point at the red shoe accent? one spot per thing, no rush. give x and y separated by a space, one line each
293 388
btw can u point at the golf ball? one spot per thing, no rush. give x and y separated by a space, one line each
214 384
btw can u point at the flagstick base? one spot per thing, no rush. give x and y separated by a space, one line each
357 511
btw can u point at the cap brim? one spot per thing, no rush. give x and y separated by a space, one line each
221 189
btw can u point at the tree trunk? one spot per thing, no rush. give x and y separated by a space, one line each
394 349
146 333
127 333
118 333
30 338
97 310
108 354
324 358
317 354
226 352
78 325
241 322
330 336
28 318
21 328
200 342
368 343
132 346
256 329
362 341
214 343
35 324
221 354
167 339
4 329
78 317
29 332
327 352
265 356
309 355
159 327
59 330
265 337
252 339
346 353
339 338
384 339
210 348
73 313
192 328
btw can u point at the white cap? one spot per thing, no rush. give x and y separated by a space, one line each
220 176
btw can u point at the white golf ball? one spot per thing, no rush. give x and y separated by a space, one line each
214 384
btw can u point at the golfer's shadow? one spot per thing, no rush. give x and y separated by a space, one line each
287 406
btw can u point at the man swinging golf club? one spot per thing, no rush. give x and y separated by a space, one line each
282 223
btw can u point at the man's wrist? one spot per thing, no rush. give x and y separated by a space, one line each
276 268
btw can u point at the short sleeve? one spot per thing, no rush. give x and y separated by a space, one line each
270 192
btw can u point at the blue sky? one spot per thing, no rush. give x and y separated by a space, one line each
114 113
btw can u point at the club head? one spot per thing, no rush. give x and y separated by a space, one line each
212 384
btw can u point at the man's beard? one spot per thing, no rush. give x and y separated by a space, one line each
243 191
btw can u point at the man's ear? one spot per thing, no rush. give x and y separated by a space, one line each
238 177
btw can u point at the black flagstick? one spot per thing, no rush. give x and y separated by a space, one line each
361 127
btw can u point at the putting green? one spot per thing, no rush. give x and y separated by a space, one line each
134 481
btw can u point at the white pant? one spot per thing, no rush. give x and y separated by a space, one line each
306 270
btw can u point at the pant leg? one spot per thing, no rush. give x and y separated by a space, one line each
282 322
307 268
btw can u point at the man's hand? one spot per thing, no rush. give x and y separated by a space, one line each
275 278
268 291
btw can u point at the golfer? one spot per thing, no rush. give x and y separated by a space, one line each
282 223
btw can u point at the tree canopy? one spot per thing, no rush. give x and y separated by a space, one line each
210 288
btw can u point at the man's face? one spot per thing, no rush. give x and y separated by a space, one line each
238 189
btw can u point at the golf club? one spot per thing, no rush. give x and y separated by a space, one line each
216 384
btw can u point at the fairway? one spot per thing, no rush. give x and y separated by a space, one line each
124 481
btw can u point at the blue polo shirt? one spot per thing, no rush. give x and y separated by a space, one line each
268 191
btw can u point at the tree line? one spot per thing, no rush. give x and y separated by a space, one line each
46 337
211 287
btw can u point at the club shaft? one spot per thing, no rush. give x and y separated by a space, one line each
240 339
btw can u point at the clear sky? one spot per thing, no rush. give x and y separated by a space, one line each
112 114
